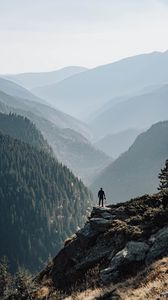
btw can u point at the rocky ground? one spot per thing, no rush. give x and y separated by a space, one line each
117 243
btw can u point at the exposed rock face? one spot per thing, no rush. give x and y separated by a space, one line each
119 239
100 224
112 295
159 243
128 258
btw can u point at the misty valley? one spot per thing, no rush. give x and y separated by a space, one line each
63 135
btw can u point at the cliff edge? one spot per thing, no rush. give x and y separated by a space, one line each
118 241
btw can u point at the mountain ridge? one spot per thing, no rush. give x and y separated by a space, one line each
57 117
37 79
70 147
96 86
150 107
115 144
135 171
22 128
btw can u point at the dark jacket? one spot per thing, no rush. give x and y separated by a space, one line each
101 194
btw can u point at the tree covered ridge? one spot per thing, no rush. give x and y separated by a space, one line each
23 129
42 203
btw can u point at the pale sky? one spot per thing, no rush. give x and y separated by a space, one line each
43 35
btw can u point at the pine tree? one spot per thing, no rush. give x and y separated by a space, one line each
163 176
5 279
24 285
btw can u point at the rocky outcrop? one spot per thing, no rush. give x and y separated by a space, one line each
111 295
125 261
100 224
159 248
118 240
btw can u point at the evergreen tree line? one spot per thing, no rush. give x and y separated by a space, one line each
23 129
41 203
15 286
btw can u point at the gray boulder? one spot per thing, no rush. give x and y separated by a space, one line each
128 258
159 242
133 251
100 224
86 232
107 216
99 209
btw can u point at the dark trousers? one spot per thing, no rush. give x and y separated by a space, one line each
101 201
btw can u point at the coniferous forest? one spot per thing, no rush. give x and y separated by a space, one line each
42 203
23 129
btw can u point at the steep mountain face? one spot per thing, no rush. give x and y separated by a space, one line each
21 128
136 112
135 171
85 92
115 144
69 146
16 90
53 115
116 243
77 153
42 203
125 97
32 80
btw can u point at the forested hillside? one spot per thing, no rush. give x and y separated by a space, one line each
21 128
70 147
42 204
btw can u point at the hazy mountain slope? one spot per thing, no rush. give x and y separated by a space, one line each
135 172
32 80
115 100
16 90
53 115
21 128
78 154
69 146
137 112
115 144
42 203
85 92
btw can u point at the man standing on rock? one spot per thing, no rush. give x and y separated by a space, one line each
101 196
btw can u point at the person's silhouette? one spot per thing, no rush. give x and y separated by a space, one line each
101 196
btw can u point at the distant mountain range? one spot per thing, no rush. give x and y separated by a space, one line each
136 171
32 80
20 100
16 90
63 134
115 144
83 93
138 92
137 112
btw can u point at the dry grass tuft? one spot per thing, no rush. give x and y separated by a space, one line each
41 293
148 284
86 295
